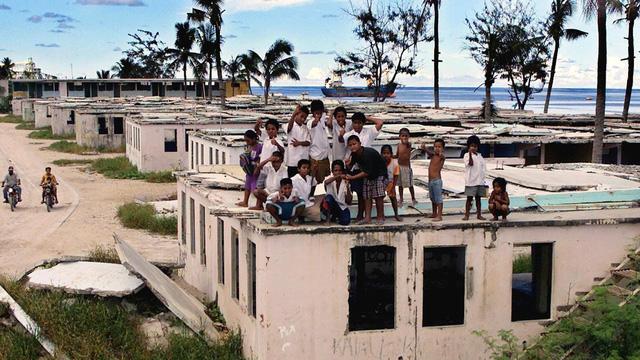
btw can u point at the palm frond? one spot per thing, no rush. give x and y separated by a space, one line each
574 34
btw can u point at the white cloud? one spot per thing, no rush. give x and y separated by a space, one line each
112 2
258 5
316 73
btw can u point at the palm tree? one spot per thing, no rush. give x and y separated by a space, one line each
250 69
126 68
598 8
234 70
206 39
200 74
104 74
212 10
561 11
436 50
277 63
181 56
6 69
631 11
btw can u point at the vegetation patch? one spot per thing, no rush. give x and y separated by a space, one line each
11 119
71 147
121 168
522 264
72 162
104 254
16 345
143 216
26 126
47 133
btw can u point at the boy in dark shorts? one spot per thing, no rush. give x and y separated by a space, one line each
374 173
285 204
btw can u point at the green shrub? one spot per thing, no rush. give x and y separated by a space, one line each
104 255
143 216
71 147
47 133
160 177
184 347
522 264
121 168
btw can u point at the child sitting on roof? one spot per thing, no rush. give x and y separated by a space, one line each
285 204
335 206
249 161
271 172
499 199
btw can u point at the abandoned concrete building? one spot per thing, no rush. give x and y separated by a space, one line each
410 290
100 128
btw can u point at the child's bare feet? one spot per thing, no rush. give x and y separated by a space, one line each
433 216
293 223
465 218
495 218
398 218
258 208
504 218
481 218
380 221
438 218
365 221
277 224
400 203
414 202
242 204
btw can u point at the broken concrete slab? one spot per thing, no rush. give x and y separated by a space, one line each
27 322
182 304
89 278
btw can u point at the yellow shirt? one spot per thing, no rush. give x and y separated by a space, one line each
46 178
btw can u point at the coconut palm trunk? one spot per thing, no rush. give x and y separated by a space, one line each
488 81
598 133
218 46
552 75
631 67
267 86
436 54
210 81
184 71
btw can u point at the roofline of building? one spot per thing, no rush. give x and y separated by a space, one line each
114 80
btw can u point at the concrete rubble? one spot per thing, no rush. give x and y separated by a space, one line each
89 278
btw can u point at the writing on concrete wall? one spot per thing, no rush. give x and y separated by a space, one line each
374 347
286 332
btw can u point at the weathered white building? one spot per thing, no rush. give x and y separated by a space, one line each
411 290
101 128
42 114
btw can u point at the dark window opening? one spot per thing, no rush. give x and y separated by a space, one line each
220 251
118 125
203 234
224 158
443 291
102 126
251 271
372 288
170 141
210 156
192 225
144 87
531 282
235 265
128 86
201 154
175 86
183 218
72 118
217 157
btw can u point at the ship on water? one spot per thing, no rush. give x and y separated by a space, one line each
334 87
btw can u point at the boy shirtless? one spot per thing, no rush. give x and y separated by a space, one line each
435 177
404 161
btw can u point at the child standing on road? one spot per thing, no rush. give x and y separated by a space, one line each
249 161
474 173
298 139
404 161
285 204
393 171
499 199
435 177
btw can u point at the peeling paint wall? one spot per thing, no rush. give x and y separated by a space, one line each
87 130
59 120
42 114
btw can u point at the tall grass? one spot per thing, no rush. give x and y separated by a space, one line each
522 264
121 168
16 345
47 133
11 119
143 216
104 254
26 126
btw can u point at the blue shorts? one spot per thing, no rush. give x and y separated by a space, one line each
435 191
286 209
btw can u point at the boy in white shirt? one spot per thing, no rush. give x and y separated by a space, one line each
335 206
320 148
304 183
269 137
271 172
298 139
285 204
474 173
339 125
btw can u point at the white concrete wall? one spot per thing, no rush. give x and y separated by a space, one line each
59 120
87 131
16 107
28 114
42 115
207 152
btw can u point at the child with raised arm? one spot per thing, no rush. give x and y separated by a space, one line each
249 161
271 172
298 139
339 125
393 171
335 206
435 177
499 199
285 204
269 137
404 161
474 172
320 148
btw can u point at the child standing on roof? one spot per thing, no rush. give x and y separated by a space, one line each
339 125
285 204
499 199
298 139
474 173
269 137
393 171
249 161
436 163
320 148
404 161
335 205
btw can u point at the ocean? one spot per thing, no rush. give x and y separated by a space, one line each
563 100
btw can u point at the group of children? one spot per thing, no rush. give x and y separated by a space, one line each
284 180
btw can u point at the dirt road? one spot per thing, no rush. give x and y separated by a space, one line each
85 217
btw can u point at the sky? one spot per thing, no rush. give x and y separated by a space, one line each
79 37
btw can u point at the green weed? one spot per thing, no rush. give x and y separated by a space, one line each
143 216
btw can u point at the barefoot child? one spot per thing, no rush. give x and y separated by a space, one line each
435 177
499 199
304 184
298 139
374 174
404 160
335 205
320 148
271 172
285 204
393 171
249 161
269 137
339 125
474 171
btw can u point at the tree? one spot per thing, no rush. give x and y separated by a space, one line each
205 36
181 55
598 8
525 52
212 10
250 69
436 51
631 11
6 69
391 33
104 74
150 54
127 68
483 43
277 63
234 70
561 11
200 74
